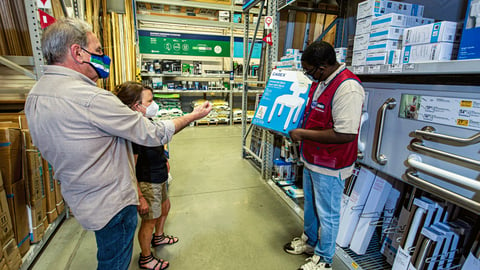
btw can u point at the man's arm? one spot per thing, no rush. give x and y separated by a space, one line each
321 136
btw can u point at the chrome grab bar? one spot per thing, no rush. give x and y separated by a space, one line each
444 193
388 104
418 145
428 133
360 143
415 162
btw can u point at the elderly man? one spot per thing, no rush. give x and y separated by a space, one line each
85 133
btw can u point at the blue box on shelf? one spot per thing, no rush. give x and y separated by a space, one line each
469 44
283 101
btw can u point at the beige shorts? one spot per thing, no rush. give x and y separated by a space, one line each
155 194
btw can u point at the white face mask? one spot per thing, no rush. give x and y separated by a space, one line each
151 110
311 78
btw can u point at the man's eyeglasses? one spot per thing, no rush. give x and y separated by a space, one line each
310 72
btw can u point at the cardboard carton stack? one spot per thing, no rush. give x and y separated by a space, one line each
379 30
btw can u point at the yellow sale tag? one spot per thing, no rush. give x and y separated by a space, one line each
462 122
466 103
354 265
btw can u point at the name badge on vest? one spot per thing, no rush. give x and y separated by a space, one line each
319 106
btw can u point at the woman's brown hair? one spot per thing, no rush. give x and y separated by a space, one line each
129 92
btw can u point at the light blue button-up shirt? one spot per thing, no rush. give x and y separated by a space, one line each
84 132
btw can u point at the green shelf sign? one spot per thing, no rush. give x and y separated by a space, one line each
152 42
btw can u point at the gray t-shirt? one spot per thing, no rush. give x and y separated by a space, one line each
84 132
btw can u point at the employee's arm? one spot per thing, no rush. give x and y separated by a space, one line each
198 113
321 136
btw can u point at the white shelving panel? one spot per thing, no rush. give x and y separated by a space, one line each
432 68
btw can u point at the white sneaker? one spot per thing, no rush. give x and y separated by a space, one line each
299 246
315 263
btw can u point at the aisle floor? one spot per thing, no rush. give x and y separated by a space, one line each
225 216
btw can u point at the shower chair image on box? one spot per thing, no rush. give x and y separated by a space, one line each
293 101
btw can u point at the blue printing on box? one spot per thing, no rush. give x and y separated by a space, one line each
378 46
435 32
389 19
406 54
382 33
376 58
469 44
275 90
390 57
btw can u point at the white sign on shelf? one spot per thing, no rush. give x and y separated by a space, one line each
44 3
268 22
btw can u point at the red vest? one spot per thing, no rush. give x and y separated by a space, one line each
318 115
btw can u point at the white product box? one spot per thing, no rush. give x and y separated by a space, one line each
371 213
364 25
383 46
354 207
386 33
398 20
430 33
427 53
293 52
360 42
390 206
370 8
379 7
341 54
359 58
438 238
383 58
403 8
223 19
223 13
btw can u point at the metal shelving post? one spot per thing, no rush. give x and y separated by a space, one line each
35 36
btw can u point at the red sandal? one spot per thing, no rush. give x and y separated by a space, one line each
144 260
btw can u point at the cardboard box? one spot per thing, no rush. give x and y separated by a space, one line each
32 169
59 203
364 25
383 46
379 7
398 20
354 208
384 58
44 213
35 221
469 45
49 185
16 118
430 33
341 54
17 204
360 42
427 53
394 33
359 58
371 213
283 101
11 254
10 155
6 227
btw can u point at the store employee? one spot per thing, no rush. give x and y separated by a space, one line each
328 149
85 133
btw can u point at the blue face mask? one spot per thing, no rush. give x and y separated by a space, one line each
310 77
101 64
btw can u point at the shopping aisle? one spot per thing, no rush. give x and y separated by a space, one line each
223 214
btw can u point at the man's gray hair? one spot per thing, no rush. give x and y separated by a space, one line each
58 38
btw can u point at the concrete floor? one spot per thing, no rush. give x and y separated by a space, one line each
225 216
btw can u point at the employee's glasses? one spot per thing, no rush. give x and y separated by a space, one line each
310 72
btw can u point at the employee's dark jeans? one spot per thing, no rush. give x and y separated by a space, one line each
115 240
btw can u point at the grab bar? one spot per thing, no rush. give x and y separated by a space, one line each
428 133
418 145
444 193
415 162
388 104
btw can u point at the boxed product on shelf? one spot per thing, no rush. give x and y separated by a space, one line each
341 54
6 226
386 33
359 58
383 58
364 25
398 20
17 204
11 155
383 46
469 45
427 52
49 187
361 42
12 255
288 89
378 7
293 191
370 214
443 31
35 221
